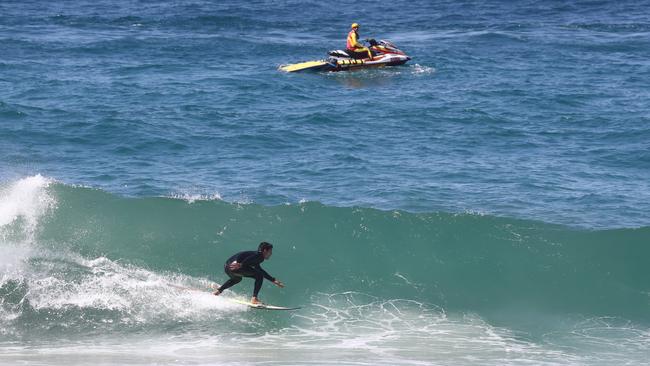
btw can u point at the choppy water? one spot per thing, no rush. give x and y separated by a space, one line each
485 204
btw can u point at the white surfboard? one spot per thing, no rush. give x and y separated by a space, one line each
236 300
260 306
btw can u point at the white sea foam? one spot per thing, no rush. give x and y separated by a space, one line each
420 69
337 329
22 205
26 200
354 329
140 296
193 197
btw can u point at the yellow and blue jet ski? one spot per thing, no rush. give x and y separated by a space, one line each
384 53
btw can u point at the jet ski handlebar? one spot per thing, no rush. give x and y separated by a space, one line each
371 41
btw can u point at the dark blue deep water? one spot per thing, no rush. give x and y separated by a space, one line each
143 141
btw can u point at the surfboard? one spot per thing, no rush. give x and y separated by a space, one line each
236 300
260 306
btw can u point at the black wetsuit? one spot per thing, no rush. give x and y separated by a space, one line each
250 267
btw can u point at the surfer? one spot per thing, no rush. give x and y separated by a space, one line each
247 264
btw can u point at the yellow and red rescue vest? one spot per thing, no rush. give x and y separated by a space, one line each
353 37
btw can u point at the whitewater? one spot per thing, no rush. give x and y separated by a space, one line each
487 203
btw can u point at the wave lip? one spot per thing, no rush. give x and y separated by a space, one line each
23 204
26 199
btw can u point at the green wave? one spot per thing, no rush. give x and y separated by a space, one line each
461 262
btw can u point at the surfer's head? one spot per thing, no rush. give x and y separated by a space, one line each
354 26
266 249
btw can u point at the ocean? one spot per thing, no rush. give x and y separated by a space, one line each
488 203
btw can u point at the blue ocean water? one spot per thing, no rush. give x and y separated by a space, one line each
537 110
486 203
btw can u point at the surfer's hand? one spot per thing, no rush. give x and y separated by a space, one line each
279 284
234 266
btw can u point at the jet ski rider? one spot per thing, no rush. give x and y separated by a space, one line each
354 48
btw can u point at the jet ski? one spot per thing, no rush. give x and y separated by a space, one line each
384 53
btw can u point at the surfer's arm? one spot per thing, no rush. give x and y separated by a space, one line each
271 278
266 275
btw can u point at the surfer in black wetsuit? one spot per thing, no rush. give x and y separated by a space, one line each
247 264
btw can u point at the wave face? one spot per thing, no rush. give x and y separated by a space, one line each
80 262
